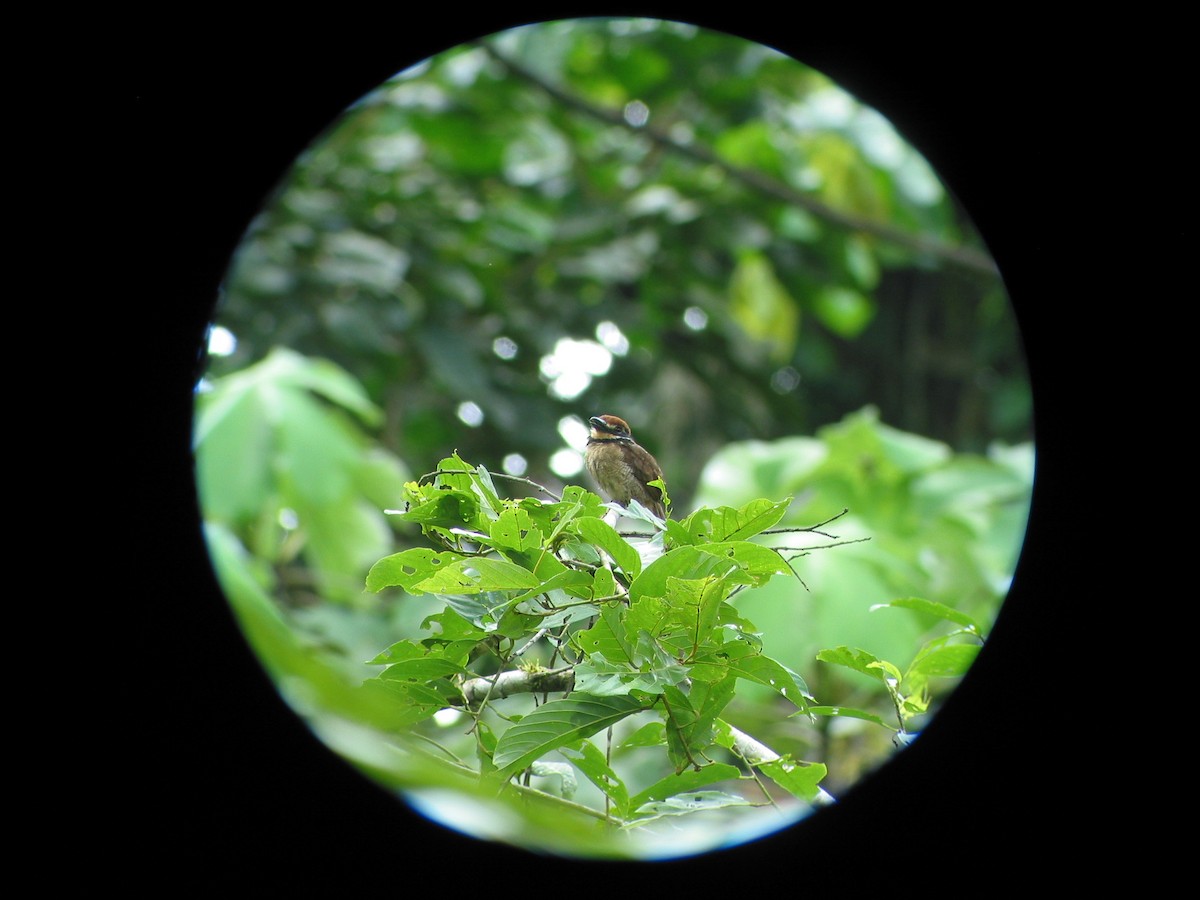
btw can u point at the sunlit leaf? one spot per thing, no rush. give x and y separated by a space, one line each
858 660
762 306
944 662
467 576
799 779
407 568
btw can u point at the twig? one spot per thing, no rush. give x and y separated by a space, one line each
533 484
804 551
814 529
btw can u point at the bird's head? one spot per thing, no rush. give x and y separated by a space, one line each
610 428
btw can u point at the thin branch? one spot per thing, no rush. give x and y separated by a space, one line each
814 529
519 681
570 804
450 753
804 551
964 257
533 484
756 753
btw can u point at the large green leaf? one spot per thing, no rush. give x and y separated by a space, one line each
726 523
690 719
606 538
597 675
474 575
759 563
514 530
859 660
448 509
684 782
407 568
556 723
687 563
949 661
683 618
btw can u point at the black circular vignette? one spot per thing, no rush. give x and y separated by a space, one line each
985 792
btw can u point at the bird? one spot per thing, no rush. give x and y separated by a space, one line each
621 467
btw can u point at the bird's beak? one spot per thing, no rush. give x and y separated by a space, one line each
599 423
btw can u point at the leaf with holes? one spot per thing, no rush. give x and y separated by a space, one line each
407 569
476 575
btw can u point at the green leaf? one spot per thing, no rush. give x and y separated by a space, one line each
728 524
606 637
762 306
604 585
686 804
743 660
680 536
589 759
474 575
514 530
858 660
847 712
556 723
950 661
933 608
407 569
604 536
447 509
483 486
801 780
451 628
689 719
576 612
759 563
597 675
684 618
684 782
686 563
652 734
398 652
413 701
572 581
424 670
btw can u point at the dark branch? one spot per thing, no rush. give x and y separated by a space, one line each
963 257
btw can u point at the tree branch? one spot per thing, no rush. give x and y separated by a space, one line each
756 753
517 681
963 257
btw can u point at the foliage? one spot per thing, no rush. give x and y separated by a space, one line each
718 230
288 467
550 592
502 599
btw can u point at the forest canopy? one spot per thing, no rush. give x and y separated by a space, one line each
644 218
